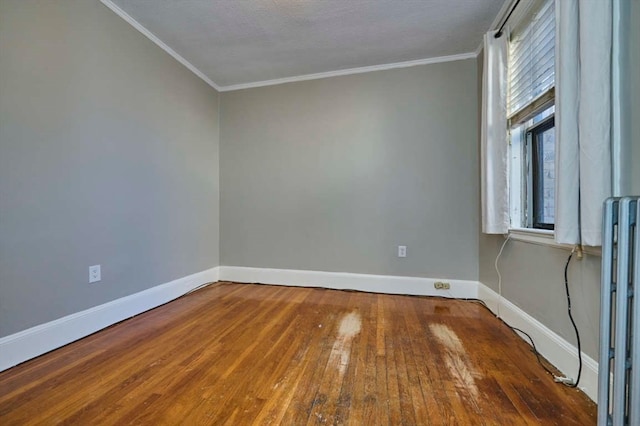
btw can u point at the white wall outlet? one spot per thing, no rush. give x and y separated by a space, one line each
94 274
402 251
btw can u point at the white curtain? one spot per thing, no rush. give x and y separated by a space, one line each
583 124
494 144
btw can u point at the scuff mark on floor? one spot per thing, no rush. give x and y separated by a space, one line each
455 359
348 328
350 325
447 337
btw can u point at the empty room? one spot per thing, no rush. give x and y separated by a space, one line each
363 212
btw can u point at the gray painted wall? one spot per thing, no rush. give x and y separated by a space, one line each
108 155
334 174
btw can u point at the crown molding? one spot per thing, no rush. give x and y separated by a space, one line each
479 48
350 71
360 70
138 26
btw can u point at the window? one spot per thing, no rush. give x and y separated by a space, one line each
530 110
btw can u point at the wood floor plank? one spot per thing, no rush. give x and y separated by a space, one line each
426 408
397 370
347 399
383 406
304 397
364 397
256 354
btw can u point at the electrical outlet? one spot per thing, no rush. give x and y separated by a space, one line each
94 274
441 285
402 251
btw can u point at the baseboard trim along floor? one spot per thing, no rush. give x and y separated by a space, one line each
35 341
348 281
38 340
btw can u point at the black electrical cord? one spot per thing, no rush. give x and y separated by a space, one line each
575 327
533 347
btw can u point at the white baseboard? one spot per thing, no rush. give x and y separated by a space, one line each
553 347
35 341
348 281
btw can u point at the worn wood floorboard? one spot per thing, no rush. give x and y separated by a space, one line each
242 354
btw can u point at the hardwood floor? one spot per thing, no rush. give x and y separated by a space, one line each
237 354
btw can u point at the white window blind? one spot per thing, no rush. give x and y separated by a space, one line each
531 61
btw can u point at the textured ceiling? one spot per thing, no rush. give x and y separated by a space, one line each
246 41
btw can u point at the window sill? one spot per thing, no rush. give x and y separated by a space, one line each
536 236
544 237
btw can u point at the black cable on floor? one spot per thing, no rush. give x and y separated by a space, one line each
575 327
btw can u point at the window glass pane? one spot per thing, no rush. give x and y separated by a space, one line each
548 145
